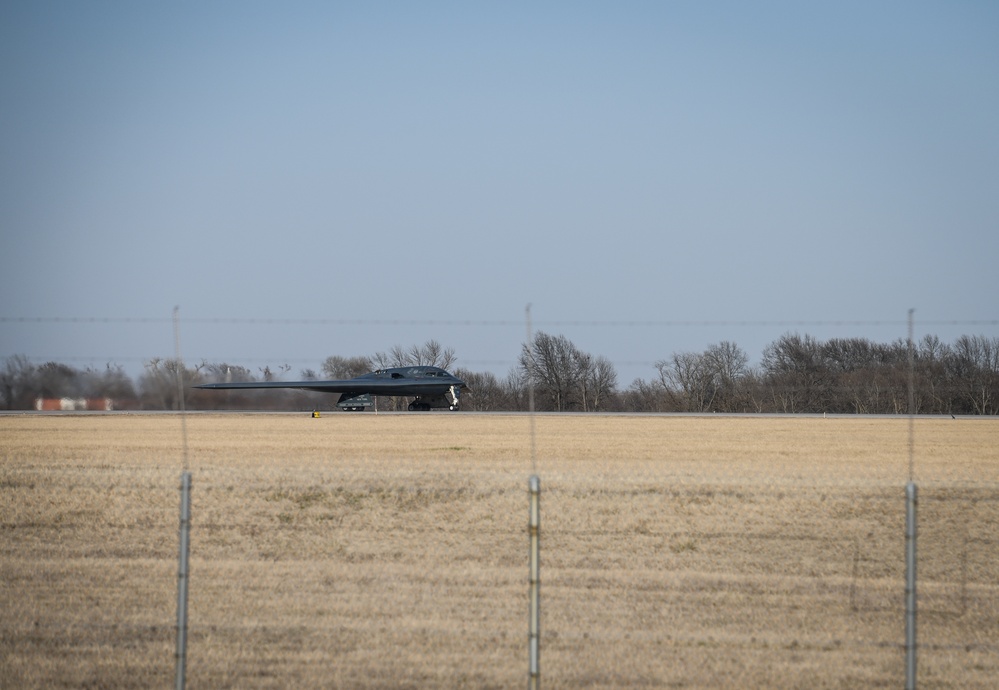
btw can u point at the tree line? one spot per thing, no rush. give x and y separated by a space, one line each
796 374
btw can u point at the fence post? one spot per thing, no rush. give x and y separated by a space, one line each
182 579
910 586
534 627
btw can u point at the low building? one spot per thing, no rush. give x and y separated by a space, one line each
73 404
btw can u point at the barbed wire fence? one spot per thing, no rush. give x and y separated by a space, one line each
775 326
675 566
352 573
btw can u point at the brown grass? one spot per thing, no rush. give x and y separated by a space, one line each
363 551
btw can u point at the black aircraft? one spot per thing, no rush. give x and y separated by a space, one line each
430 386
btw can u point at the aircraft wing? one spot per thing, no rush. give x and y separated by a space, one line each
348 386
431 386
370 386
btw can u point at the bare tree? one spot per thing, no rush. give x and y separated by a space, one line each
399 356
601 382
17 383
727 364
111 383
158 385
224 372
56 380
337 367
563 376
380 360
798 377
646 396
583 363
687 377
932 383
551 364
269 375
486 392
431 354
976 361
517 387
434 354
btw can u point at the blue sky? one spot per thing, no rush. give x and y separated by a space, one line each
650 177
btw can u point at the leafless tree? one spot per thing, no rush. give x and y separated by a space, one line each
517 387
268 375
646 396
688 378
158 385
431 353
485 392
563 376
551 364
976 362
601 382
224 372
17 383
795 371
56 380
932 382
728 365
399 356
337 367
111 383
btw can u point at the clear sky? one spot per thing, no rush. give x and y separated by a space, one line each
652 177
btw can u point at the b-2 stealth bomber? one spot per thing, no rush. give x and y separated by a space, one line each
430 387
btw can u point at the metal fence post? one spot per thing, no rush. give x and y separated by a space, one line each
182 579
534 628
910 586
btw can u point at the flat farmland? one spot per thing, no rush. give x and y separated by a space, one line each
372 551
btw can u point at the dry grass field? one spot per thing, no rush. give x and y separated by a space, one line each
372 551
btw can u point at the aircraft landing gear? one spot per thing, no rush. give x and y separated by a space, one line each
430 402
